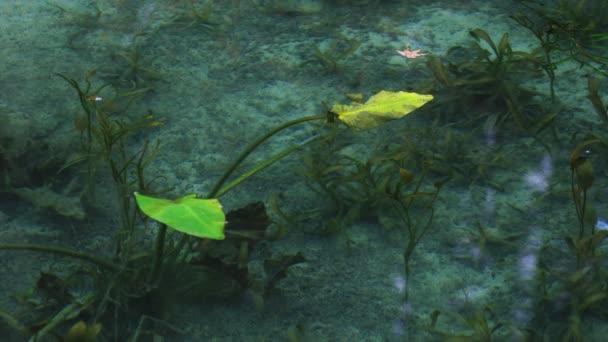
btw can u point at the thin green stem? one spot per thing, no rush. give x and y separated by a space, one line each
158 255
218 185
64 251
264 165
218 188
13 322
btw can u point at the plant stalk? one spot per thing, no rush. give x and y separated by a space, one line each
64 251
218 185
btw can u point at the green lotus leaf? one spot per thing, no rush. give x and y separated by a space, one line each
380 108
194 216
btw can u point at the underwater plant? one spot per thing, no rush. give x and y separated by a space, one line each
568 30
476 80
487 240
196 254
200 15
83 22
288 7
330 56
381 187
479 324
454 153
593 94
572 294
588 239
131 76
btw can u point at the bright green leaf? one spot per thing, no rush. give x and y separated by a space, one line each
194 216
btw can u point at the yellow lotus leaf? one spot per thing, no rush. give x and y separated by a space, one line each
380 108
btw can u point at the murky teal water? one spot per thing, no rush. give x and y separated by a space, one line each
357 210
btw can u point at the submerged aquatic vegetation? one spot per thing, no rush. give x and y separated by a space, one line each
446 151
83 22
572 293
475 324
593 94
201 15
131 73
568 30
330 57
189 261
482 80
288 7
381 187
64 204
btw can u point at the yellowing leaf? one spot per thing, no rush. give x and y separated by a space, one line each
83 332
380 108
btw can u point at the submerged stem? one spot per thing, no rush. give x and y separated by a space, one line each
64 251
